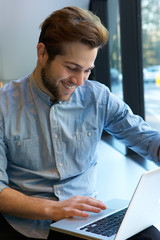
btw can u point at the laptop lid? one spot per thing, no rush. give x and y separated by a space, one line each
143 211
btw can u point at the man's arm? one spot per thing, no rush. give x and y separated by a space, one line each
17 204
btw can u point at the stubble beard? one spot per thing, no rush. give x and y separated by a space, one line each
48 84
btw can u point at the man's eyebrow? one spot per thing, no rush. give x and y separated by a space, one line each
79 66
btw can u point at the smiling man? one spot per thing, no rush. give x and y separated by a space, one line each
50 124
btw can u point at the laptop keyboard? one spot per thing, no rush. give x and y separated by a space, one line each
106 226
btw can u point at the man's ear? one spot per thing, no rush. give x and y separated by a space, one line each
42 53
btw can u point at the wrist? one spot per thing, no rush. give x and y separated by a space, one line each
50 209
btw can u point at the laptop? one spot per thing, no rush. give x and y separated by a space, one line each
141 212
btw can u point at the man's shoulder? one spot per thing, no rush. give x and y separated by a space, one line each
92 91
14 85
11 95
93 86
93 83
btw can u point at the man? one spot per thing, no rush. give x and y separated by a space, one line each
50 124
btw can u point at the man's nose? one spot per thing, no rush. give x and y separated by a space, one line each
80 78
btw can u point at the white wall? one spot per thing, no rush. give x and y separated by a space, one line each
19 32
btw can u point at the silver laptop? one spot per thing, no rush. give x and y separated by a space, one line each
121 219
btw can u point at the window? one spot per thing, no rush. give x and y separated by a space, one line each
115 48
151 60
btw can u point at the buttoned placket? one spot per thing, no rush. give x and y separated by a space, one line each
56 140
57 146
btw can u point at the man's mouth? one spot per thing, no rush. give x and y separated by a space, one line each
70 87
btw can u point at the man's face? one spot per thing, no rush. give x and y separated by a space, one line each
60 77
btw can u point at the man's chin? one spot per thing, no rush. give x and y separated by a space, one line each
66 97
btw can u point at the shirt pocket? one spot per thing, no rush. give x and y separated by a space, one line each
86 144
24 153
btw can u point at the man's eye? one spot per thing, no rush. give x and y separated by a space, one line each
88 71
72 69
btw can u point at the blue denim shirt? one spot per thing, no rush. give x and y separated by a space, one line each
49 150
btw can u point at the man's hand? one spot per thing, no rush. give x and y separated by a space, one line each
78 206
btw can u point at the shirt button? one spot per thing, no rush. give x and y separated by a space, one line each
18 144
89 134
58 192
56 136
61 164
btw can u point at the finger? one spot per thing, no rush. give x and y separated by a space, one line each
100 204
95 203
70 212
88 208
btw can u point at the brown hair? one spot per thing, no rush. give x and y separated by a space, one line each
71 24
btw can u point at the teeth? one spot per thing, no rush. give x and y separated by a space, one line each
67 86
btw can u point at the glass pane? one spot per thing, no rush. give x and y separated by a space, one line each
115 59
151 60
114 48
